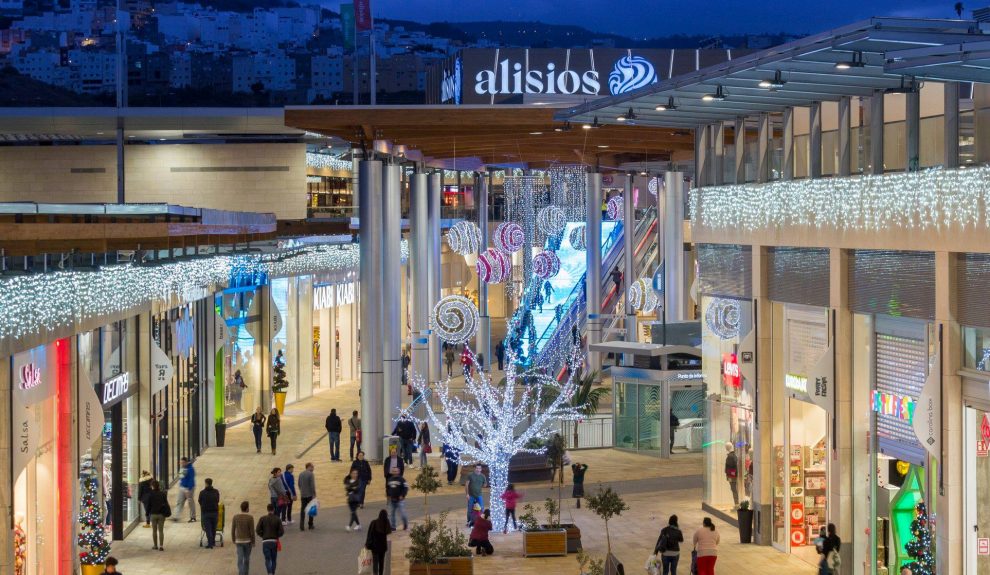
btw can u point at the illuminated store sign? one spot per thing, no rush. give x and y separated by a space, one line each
899 406
450 90
510 78
730 371
326 297
797 383
116 388
30 376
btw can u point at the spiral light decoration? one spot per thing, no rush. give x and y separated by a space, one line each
614 208
455 319
509 237
551 220
722 317
464 238
579 238
546 264
655 186
494 266
642 297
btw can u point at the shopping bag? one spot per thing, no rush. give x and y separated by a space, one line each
364 561
694 563
278 545
313 508
653 564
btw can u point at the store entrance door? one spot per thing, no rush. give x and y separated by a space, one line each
976 432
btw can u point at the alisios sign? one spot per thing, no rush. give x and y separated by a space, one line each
521 75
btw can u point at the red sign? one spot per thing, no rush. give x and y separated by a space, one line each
982 448
798 537
797 514
730 371
362 15
983 546
985 427
30 376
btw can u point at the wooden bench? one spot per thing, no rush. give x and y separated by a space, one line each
523 467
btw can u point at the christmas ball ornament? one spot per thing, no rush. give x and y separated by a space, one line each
546 264
464 238
551 220
494 266
655 186
579 238
455 319
614 208
642 296
509 237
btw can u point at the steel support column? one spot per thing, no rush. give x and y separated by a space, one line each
717 144
370 196
419 259
787 161
391 295
739 144
675 281
483 340
593 276
763 135
815 141
844 157
912 130
951 97
435 189
629 260
876 132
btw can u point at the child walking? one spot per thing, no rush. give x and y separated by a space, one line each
510 497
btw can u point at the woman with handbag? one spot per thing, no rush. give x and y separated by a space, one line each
831 544
273 428
257 426
424 443
278 493
159 510
377 541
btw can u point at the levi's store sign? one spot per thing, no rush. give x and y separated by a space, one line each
898 406
730 371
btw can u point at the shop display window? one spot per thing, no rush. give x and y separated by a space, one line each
976 348
976 465
241 310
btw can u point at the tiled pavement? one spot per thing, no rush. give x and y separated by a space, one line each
652 489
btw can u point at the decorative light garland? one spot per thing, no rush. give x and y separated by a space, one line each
655 185
568 190
722 317
614 208
464 238
546 264
509 237
642 297
579 238
936 198
326 161
494 266
455 318
551 220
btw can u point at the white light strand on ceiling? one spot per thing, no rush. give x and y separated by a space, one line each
568 190
929 199
327 162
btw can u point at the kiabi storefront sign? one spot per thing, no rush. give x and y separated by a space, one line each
899 406
329 296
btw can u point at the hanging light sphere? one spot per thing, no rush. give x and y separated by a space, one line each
509 237
493 266
579 238
464 238
722 317
551 220
454 319
546 264
614 208
642 296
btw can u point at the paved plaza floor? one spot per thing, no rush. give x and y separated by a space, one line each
653 490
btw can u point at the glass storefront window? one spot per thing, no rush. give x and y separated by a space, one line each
241 310
976 348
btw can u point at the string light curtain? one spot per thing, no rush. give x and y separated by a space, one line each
568 187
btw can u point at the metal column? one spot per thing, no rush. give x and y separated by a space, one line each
912 129
876 132
434 190
739 171
845 137
763 135
717 144
815 141
483 342
675 282
702 158
593 276
951 97
787 162
372 380
419 253
391 294
629 251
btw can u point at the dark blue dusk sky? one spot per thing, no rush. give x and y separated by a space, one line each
652 18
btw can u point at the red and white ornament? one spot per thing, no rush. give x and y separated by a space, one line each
509 237
546 264
494 266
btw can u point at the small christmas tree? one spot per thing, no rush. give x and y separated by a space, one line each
921 547
280 382
92 537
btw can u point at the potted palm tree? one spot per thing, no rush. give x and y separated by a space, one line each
586 398
279 383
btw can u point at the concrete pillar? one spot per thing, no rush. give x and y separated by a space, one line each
372 377
629 260
419 256
435 190
484 339
815 141
702 157
841 483
717 144
739 144
787 162
763 133
949 503
675 294
391 295
763 432
593 277
912 129
844 156
951 127
876 132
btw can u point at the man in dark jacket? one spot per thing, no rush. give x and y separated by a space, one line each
394 460
396 490
405 429
334 427
270 530
209 509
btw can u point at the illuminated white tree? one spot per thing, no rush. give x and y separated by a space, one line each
490 422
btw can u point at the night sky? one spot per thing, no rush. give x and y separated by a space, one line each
653 18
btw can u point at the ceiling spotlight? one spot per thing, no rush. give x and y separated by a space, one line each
630 115
642 173
602 146
594 124
718 96
565 128
856 62
668 106
536 133
775 83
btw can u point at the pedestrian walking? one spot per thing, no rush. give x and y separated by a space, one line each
480 361
289 480
405 367
405 429
364 474
448 358
396 489
538 298
475 482
668 546
110 566
307 493
510 497
273 428
831 545
334 427
209 509
187 484
354 426
451 457
352 489
706 541
377 541
242 534
616 276
575 335
558 312
257 426
479 538
393 461
276 491
577 492
500 354
465 362
144 489
159 510
425 448
270 530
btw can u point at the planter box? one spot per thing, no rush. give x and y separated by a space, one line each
545 542
573 537
434 569
461 565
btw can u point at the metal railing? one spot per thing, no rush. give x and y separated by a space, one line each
592 433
